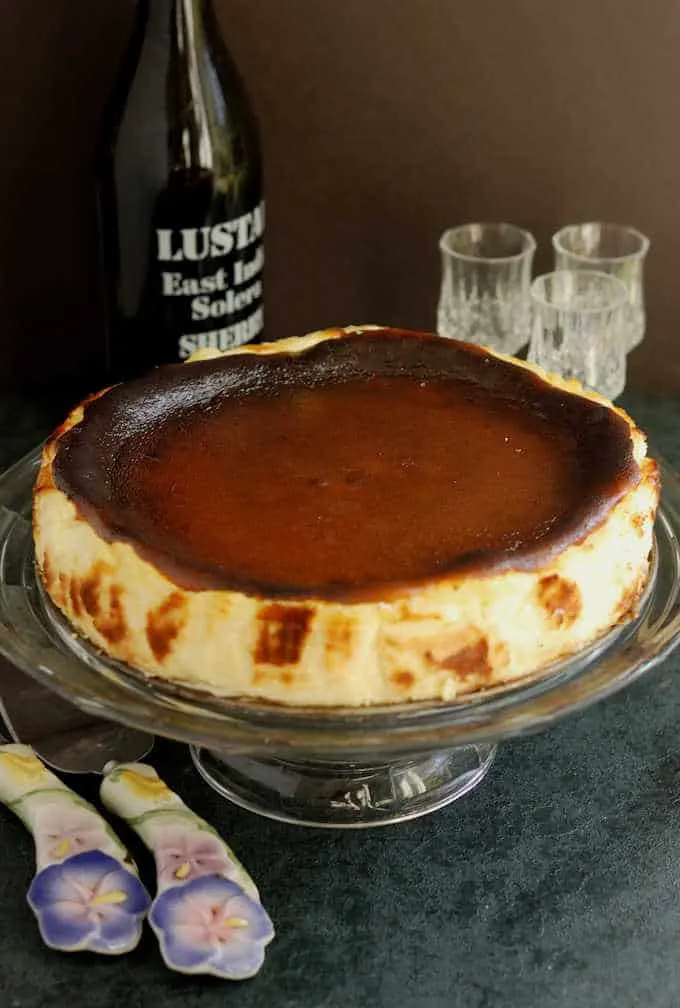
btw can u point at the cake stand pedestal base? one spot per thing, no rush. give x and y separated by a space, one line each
343 794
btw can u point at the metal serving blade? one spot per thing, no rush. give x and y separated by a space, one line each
65 738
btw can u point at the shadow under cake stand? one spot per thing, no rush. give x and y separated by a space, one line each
333 768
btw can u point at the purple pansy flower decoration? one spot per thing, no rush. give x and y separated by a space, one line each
210 925
63 830
90 902
184 853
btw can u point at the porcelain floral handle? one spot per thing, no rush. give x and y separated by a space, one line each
207 914
86 893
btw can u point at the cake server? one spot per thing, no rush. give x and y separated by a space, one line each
207 914
86 894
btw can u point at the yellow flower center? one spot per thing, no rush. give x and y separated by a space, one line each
115 896
63 848
183 871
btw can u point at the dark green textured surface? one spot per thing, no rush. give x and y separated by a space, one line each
555 885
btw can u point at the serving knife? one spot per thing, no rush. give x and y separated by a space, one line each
64 737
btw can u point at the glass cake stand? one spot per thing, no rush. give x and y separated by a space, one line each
333 768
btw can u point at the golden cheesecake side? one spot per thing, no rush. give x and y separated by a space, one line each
439 638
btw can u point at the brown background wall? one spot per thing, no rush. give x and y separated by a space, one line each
384 121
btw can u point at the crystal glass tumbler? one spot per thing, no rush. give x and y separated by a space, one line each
484 297
578 328
609 248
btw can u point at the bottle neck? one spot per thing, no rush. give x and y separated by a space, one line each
159 14
185 31
193 146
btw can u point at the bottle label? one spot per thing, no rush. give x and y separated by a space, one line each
212 279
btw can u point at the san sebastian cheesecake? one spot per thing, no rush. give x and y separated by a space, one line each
358 516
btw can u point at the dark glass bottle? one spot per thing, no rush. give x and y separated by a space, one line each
181 201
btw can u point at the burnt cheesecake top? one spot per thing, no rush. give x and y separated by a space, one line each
349 470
